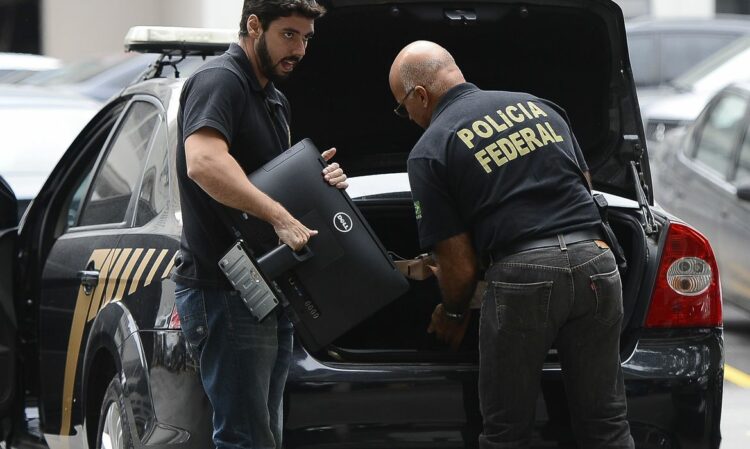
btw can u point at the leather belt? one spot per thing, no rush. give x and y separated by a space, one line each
559 240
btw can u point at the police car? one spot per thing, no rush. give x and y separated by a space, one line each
91 350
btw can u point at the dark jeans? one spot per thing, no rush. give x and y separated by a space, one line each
571 296
243 365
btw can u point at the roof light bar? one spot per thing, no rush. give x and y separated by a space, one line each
177 40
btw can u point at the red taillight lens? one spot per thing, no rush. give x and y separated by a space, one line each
687 291
174 319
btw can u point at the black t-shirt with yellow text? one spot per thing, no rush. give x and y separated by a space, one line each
501 166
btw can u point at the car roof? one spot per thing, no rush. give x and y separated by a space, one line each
25 61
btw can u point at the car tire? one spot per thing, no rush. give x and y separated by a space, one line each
113 431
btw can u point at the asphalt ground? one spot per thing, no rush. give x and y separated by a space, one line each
735 416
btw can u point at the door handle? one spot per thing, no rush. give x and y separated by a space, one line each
89 280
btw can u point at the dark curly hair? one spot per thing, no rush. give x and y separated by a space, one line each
270 10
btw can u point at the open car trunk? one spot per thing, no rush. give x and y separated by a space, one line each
398 333
571 52
568 51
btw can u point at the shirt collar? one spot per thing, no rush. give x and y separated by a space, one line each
450 96
238 54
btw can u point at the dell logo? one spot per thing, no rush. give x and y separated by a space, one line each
342 222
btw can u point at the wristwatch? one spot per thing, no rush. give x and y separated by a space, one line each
453 315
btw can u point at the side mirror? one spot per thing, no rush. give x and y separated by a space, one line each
743 192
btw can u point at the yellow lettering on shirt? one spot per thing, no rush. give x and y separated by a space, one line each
525 112
530 138
546 138
505 118
508 149
481 129
536 110
467 136
552 131
519 143
516 144
496 155
512 112
498 128
481 156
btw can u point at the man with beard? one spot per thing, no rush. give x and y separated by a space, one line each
231 121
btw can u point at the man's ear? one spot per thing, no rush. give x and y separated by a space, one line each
254 28
423 95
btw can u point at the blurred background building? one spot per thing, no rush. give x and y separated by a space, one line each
53 27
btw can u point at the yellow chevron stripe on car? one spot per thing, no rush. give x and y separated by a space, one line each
170 265
155 267
114 275
96 295
83 303
126 274
115 267
140 270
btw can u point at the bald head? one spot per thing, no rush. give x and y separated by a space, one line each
427 64
424 71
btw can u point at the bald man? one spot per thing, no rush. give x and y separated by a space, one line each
499 183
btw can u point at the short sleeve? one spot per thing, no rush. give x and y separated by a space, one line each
212 98
578 153
437 215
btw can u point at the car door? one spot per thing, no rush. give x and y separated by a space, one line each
699 175
735 232
8 325
83 264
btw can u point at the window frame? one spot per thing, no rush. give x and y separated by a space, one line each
129 217
162 123
743 137
697 134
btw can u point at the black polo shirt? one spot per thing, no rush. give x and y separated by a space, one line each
225 95
501 166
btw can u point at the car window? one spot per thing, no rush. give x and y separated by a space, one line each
743 168
644 59
77 200
720 131
154 192
120 172
680 52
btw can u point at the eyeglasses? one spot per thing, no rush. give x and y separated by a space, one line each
400 110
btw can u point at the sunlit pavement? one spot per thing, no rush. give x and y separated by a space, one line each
735 419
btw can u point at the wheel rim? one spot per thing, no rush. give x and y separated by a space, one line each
112 436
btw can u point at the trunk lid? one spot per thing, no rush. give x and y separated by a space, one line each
569 51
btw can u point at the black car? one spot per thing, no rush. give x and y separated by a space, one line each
90 337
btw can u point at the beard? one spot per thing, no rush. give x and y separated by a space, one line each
269 69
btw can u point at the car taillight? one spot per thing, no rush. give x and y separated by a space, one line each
687 291
174 319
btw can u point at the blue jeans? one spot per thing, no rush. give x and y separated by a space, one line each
572 297
243 365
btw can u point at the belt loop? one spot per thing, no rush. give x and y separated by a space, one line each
561 239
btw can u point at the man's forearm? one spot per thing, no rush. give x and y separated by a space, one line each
226 182
457 272
457 293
